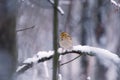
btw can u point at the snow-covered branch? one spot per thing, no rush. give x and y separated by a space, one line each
33 3
104 56
58 8
115 3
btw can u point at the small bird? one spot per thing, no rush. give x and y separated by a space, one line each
65 41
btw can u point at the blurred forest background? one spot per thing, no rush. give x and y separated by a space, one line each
90 22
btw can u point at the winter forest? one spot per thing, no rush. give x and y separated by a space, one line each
30 39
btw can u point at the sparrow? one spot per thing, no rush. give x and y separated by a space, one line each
65 41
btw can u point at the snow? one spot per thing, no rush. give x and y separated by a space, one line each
42 54
115 3
106 57
35 58
59 8
46 69
88 78
60 77
82 48
30 60
20 67
39 55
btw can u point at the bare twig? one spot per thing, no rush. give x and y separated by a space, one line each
70 60
25 29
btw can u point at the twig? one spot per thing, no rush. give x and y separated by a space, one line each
25 29
58 7
70 60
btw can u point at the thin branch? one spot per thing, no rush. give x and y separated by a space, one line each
70 61
25 29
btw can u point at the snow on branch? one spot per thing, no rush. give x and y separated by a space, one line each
104 56
58 8
115 3
32 2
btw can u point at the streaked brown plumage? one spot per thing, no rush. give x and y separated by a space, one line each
65 41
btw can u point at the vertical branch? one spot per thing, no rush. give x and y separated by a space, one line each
55 37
